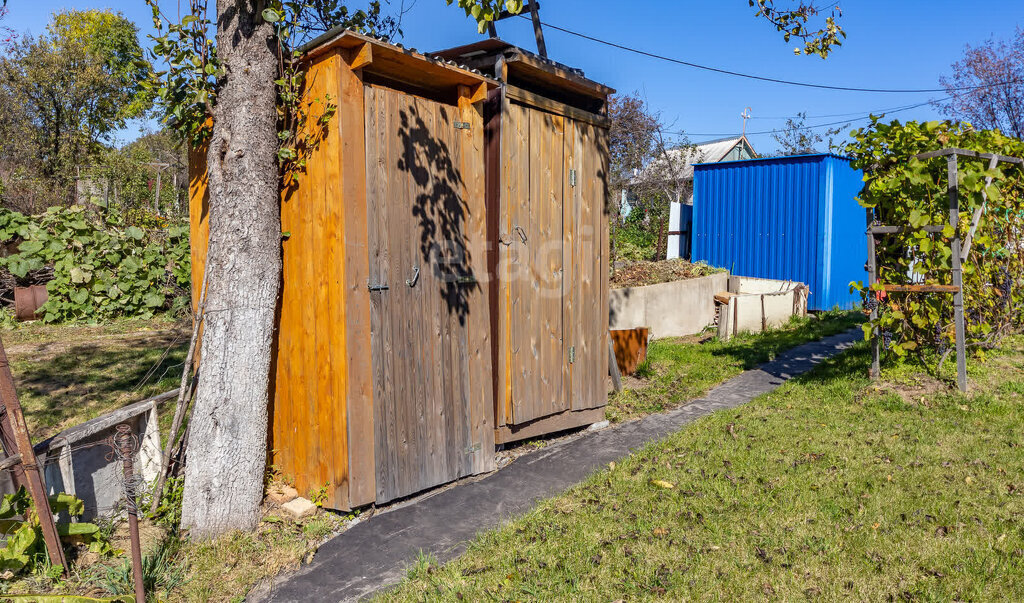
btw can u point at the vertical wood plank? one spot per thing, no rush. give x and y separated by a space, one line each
356 403
481 439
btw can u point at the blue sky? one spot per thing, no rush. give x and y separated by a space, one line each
890 44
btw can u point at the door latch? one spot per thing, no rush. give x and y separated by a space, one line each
415 277
376 287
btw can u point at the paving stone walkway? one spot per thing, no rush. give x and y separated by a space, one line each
376 554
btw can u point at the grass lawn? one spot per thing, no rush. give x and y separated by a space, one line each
69 374
831 487
687 368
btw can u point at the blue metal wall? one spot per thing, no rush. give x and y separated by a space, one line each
784 218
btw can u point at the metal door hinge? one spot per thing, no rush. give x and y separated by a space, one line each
572 178
473 449
462 125
572 354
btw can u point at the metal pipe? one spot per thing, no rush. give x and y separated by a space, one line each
125 444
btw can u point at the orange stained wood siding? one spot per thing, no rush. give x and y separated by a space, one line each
319 325
322 433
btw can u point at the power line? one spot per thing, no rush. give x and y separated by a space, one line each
858 113
759 77
811 127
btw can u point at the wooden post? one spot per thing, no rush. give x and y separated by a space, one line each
958 276
876 353
156 196
613 366
22 445
542 48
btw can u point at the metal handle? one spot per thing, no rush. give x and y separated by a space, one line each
415 277
522 233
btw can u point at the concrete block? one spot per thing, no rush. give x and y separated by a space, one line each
299 508
281 493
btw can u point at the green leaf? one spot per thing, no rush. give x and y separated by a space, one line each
153 300
271 16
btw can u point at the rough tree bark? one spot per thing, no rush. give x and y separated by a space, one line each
227 452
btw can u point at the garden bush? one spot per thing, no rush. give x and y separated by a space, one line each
101 268
904 191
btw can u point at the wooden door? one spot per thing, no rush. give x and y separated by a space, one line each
533 184
585 311
429 316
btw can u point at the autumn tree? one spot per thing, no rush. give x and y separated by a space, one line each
64 94
986 87
244 84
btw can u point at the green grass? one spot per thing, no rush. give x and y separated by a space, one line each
684 369
831 487
66 375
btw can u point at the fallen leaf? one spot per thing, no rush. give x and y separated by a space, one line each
662 484
660 531
968 480
611 465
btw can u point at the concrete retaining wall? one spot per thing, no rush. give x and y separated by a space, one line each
669 309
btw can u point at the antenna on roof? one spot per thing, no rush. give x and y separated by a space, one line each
745 115
534 7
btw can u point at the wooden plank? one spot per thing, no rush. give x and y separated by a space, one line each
958 279
597 175
570 268
930 228
331 332
311 466
926 288
352 312
493 145
360 56
952 152
546 104
478 327
554 75
377 212
568 419
520 275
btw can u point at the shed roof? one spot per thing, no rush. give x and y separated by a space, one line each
394 61
526 65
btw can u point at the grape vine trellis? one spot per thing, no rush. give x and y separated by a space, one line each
937 228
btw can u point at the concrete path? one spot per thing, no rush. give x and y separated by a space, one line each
376 554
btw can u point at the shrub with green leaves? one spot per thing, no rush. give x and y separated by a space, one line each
904 191
102 269
25 549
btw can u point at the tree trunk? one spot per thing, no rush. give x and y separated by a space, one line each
228 447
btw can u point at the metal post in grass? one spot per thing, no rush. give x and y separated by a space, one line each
125 445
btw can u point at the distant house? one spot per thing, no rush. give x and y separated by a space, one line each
681 212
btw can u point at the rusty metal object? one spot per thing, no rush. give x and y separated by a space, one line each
15 439
28 300
125 445
630 348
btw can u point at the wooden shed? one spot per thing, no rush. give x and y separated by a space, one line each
547 198
425 315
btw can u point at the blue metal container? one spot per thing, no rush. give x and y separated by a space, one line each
789 218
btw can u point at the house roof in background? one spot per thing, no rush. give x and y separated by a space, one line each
711 151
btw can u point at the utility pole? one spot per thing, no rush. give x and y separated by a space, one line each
745 115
